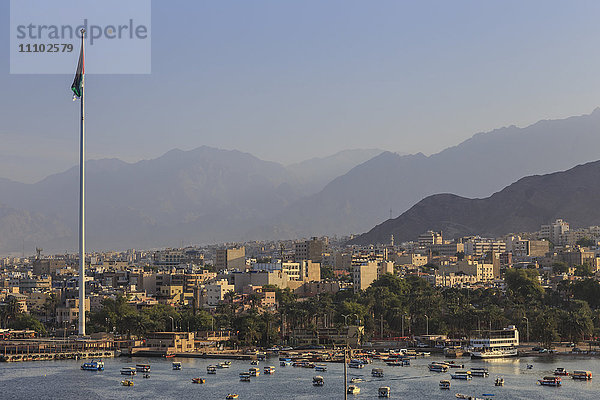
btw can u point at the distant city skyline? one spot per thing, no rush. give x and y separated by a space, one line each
290 81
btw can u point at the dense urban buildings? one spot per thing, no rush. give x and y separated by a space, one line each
256 277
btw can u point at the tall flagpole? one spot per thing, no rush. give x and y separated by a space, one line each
82 203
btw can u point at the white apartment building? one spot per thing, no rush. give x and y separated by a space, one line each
215 292
553 231
478 246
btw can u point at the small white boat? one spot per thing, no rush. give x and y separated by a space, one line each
384 391
561 371
176 366
211 369
318 381
320 368
352 389
254 371
223 365
356 380
377 372
128 371
127 383
285 363
245 377
355 365
254 362
445 384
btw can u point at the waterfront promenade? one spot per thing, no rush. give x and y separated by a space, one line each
55 349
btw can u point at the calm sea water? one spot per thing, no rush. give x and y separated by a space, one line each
65 380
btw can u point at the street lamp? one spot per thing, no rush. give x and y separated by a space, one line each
427 322
527 320
172 323
346 318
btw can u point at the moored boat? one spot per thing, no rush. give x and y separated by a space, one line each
561 372
245 377
198 380
128 371
481 372
377 372
384 391
142 367
445 384
93 366
225 364
499 382
353 364
320 367
453 352
464 375
550 381
127 383
231 396
496 344
270 370
211 369
254 371
438 367
254 362
318 381
356 380
582 375
352 389
285 363
176 366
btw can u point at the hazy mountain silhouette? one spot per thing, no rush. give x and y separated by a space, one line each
315 173
521 207
198 196
478 167
209 195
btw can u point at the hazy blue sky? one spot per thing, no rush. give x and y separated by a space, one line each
290 80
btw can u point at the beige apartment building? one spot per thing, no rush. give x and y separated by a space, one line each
482 272
234 258
365 274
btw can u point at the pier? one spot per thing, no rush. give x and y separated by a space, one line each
48 349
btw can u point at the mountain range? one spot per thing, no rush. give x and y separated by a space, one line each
478 167
210 195
521 207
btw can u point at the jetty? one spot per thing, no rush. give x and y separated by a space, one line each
55 349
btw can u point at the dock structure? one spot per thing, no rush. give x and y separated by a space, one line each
48 349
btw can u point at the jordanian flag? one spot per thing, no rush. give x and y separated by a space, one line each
77 86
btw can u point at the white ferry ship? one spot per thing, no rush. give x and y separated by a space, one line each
496 344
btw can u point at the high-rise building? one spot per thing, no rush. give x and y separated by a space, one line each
554 231
430 237
312 250
234 258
